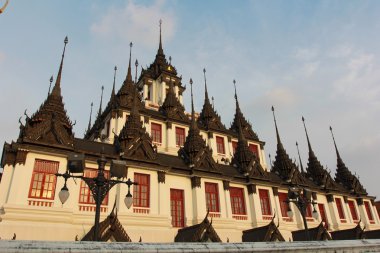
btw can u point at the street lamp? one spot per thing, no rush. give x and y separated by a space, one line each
302 199
98 185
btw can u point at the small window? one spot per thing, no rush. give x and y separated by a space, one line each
368 210
254 149
141 190
237 201
234 146
353 212
339 206
322 212
180 136
43 182
156 133
212 197
220 145
284 205
85 194
177 207
265 202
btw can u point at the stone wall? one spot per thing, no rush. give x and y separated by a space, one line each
76 247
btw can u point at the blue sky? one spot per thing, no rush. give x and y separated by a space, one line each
319 59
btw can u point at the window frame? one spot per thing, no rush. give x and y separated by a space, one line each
353 211
85 192
156 133
212 190
180 135
137 190
265 203
220 145
177 222
45 171
237 198
367 207
254 149
340 209
322 213
234 146
284 205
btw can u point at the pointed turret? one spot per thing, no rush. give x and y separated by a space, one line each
315 170
283 166
172 108
50 124
133 140
344 176
208 117
245 160
245 125
195 152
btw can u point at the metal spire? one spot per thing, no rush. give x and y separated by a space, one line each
204 75
51 80
129 74
212 98
160 50
307 136
114 79
89 122
57 87
336 148
136 64
235 90
101 101
299 156
275 123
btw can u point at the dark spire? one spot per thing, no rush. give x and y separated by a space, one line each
160 50
206 93
239 117
283 166
193 124
89 122
307 136
101 102
171 107
344 176
113 93
129 74
136 65
299 157
51 80
208 117
57 87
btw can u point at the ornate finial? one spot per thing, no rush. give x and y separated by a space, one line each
129 74
114 79
212 98
204 75
192 102
270 160
275 123
307 136
160 51
51 80
101 101
235 88
299 156
170 60
57 87
336 148
136 64
89 122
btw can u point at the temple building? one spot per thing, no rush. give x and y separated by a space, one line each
198 180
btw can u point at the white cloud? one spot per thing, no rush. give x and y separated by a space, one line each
310 68
341 51
279 96
306 54
136 22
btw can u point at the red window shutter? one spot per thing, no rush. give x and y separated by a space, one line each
368 210
177 207
283 197
220 145
353 212
234 146
237 201
265 202
339 206
156 133
142 190
322 212
212 197
85 194
179 136
254 149
43 182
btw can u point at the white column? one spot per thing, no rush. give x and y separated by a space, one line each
145 91
199 204
227 198
335 220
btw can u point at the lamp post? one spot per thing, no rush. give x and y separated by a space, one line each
302 198
98 185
